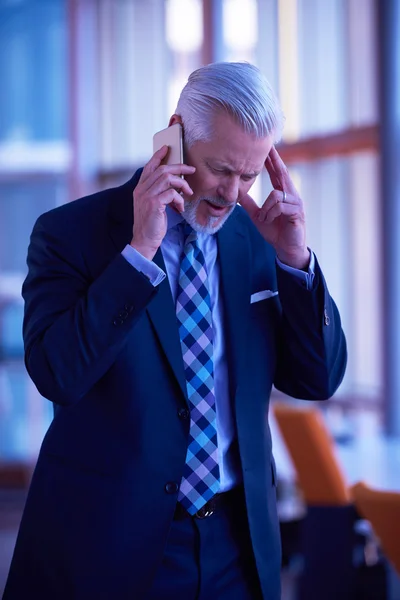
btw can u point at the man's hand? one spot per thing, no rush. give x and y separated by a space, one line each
281 219
159 185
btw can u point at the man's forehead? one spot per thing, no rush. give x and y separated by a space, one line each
237 163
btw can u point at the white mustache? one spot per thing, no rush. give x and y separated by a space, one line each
218 202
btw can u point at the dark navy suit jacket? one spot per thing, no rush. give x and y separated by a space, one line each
102 344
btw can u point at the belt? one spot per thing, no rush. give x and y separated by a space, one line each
215 504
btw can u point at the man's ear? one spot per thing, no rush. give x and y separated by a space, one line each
175 119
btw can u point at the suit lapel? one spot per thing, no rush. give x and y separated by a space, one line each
161 309
233 252
234 261
162 313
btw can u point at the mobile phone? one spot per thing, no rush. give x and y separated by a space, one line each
171 137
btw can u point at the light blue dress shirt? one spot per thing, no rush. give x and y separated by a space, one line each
172 248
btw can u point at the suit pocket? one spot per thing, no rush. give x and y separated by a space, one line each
263 295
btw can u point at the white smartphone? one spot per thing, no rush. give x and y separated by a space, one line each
171 137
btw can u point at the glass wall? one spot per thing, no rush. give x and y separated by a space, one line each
321 56
88 83
34 163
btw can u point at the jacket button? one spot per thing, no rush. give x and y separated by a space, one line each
117 322
128 307
123 314
183 413
171 487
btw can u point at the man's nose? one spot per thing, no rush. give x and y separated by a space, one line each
229 189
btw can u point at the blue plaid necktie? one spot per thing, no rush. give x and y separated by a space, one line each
200 479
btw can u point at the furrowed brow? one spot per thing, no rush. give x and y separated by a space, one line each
227 167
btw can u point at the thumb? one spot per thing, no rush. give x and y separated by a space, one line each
250 206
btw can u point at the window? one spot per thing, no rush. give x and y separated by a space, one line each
35 158
88 84
324 55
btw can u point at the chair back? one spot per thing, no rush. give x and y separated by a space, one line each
382 510
311 448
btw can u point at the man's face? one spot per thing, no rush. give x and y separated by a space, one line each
226 168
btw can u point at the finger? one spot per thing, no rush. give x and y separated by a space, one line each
274 198
275 158
167 170
272 175
276 161
166 181
171 196
250 206
154 162
281 209
179 169
279 197
280 172
176 208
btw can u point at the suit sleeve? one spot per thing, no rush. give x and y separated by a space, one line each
74 328
312 351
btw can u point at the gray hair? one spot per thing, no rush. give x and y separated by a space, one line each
239 89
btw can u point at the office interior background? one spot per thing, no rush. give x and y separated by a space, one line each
86 84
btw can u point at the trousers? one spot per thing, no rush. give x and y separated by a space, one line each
209 558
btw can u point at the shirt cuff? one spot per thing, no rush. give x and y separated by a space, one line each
142 264
308 277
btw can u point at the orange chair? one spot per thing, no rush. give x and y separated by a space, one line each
326 534
382 510
311 448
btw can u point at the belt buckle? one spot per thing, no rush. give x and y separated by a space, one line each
204 512
207 510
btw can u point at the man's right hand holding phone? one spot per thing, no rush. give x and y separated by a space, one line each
159 185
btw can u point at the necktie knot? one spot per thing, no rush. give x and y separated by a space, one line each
189 234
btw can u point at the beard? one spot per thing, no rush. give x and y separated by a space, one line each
213 224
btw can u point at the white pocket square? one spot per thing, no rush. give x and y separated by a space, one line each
262 296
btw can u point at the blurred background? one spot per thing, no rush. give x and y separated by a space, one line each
86 83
